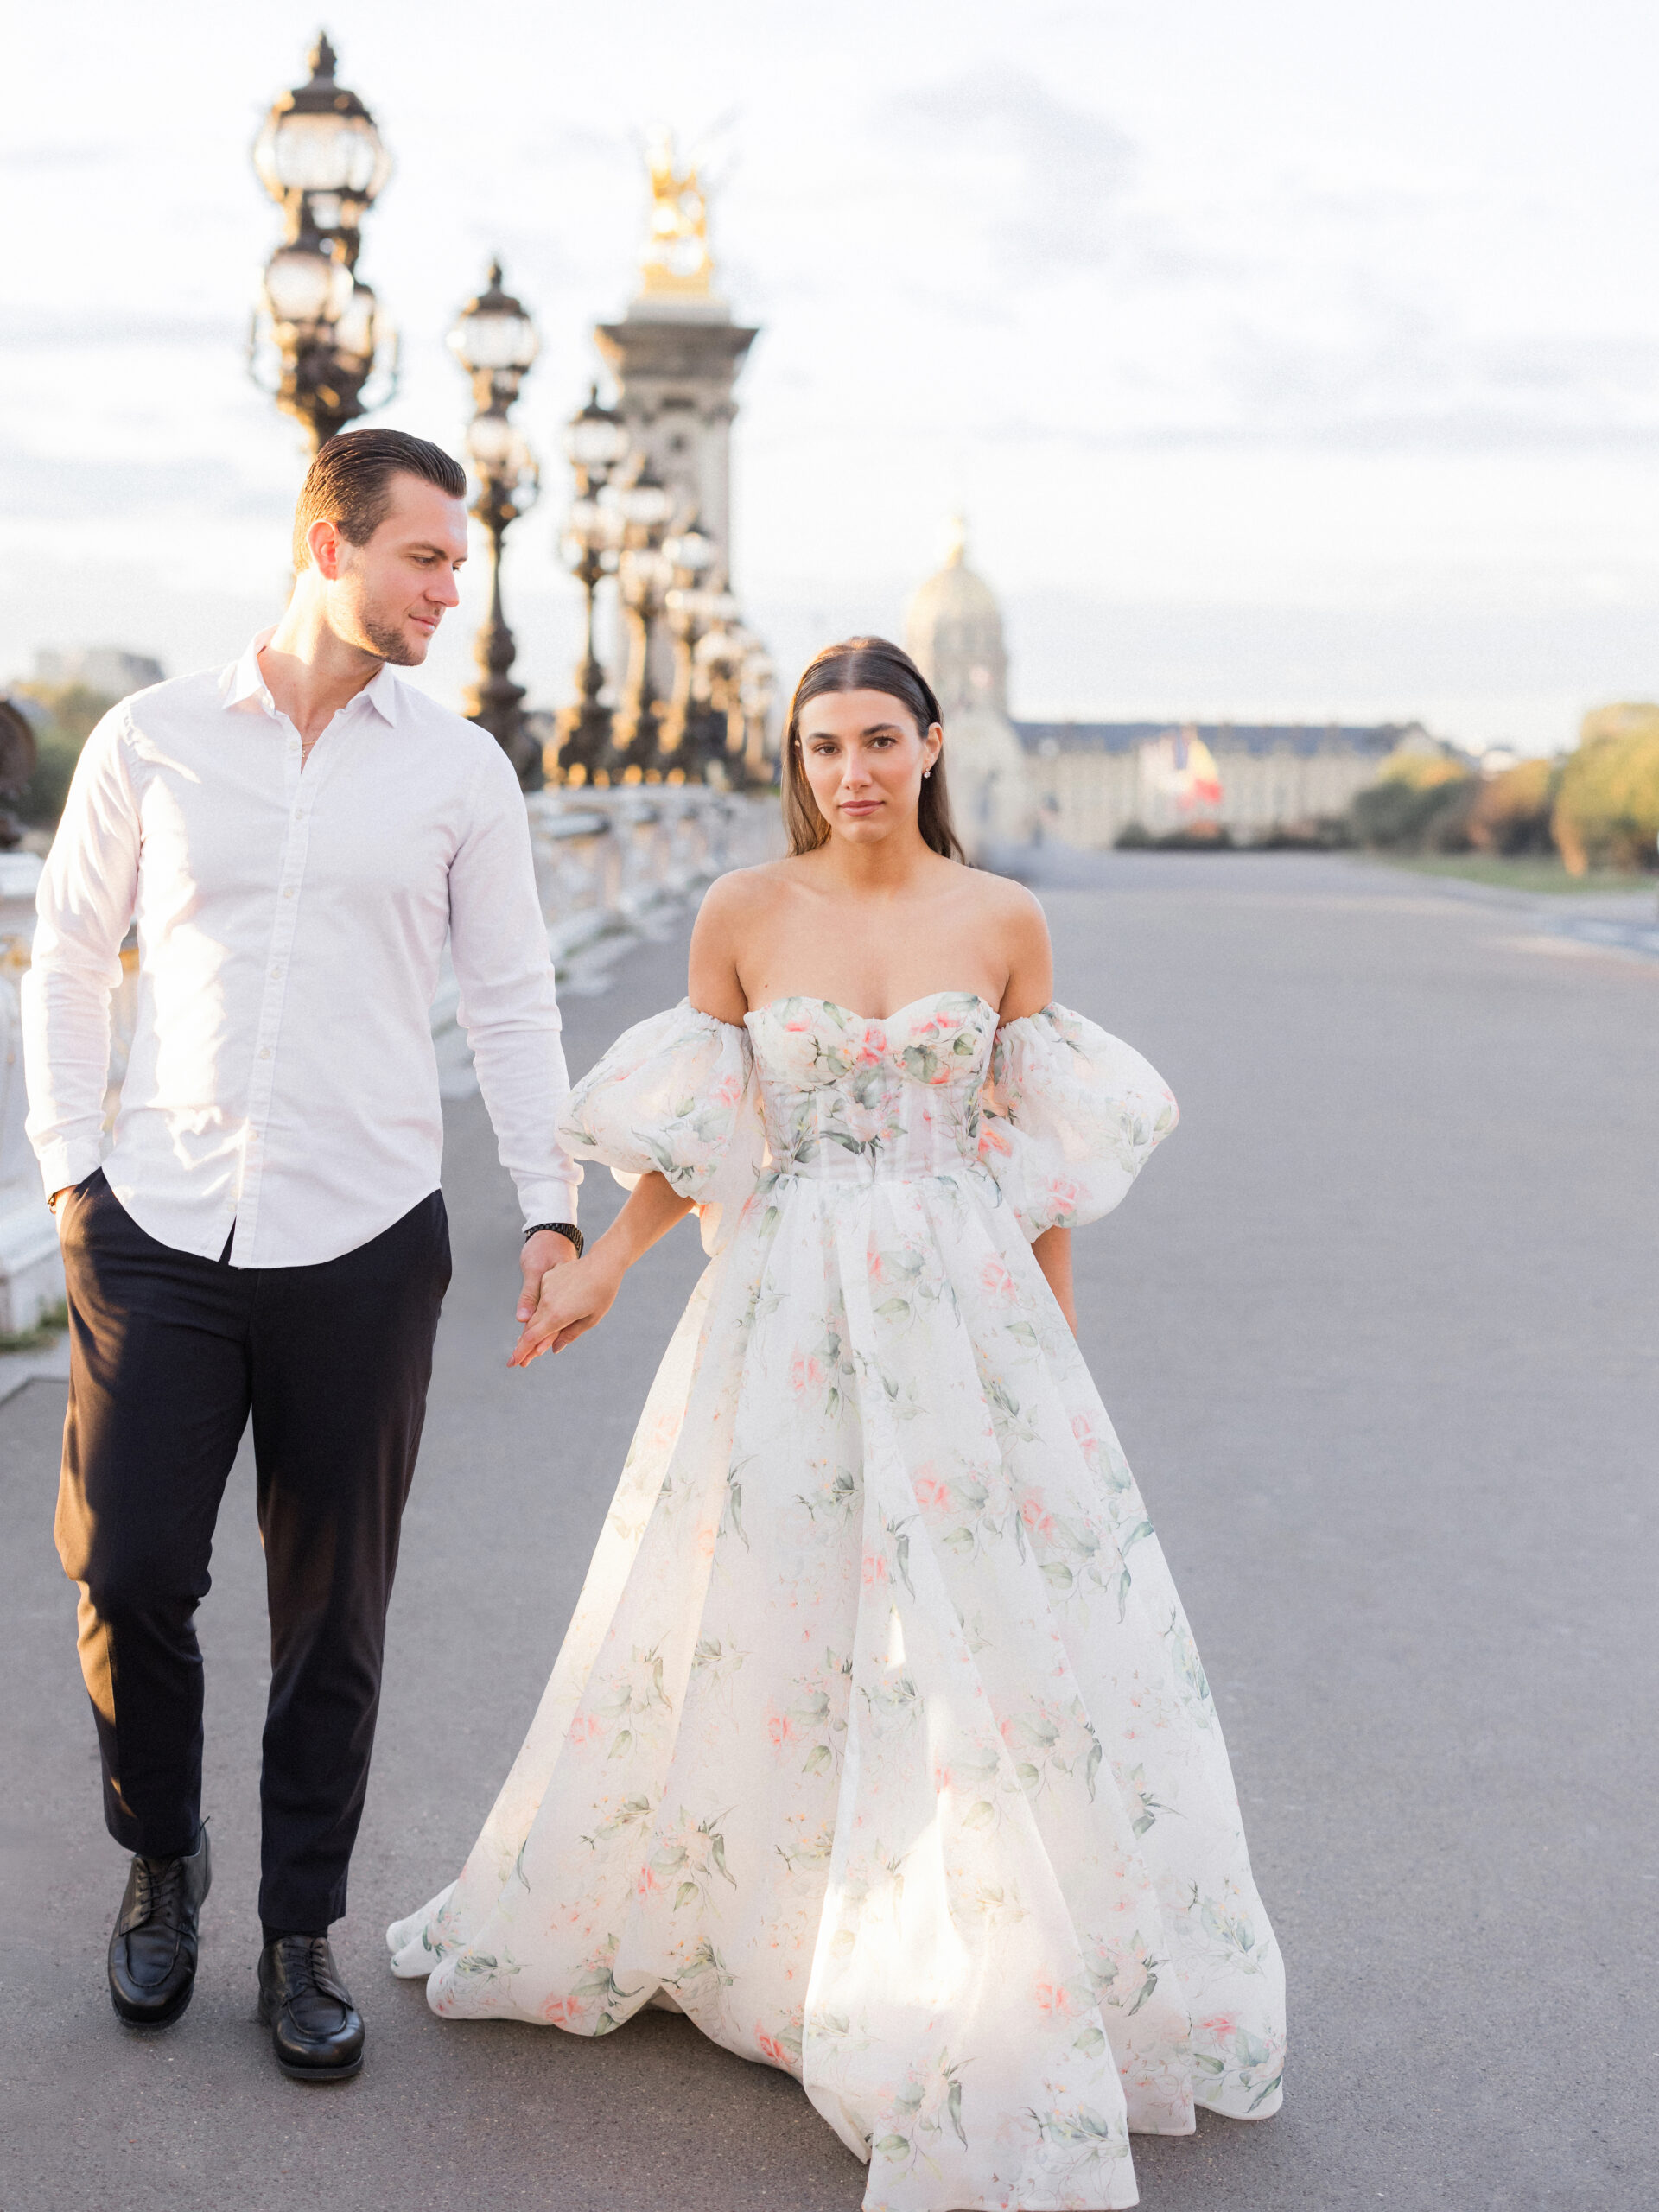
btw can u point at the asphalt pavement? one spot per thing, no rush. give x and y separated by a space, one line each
1378 1329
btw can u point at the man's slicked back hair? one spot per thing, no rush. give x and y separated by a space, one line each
349 483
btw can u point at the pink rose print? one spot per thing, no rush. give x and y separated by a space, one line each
931 1495
1035 1514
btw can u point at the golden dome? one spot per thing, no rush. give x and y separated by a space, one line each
953 632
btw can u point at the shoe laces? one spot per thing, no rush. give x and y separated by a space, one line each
310 1962
161 1882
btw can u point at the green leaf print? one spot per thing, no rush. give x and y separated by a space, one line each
953 2106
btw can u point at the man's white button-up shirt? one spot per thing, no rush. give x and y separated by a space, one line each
291 917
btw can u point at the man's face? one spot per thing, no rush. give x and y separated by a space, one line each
389 596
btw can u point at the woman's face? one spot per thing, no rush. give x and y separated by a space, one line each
864 759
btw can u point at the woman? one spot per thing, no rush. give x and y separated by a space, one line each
879 1744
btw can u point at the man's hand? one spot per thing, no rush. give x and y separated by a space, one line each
542 1251
573 1298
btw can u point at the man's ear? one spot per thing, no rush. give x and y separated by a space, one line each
328 549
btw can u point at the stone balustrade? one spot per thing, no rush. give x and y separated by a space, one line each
608 863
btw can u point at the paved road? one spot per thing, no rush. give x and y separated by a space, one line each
1379 1331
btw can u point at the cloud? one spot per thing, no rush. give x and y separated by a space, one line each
22 160
1059 171
46 326
58 488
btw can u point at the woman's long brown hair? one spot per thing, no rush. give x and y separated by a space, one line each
865 664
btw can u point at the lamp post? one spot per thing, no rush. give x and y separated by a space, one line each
757 682
495 342
644 574
687 606
321 158
596 440
719 653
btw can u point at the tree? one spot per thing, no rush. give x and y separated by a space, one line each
1606 810
73 711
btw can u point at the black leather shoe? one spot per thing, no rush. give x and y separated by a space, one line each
153 1950
315 2030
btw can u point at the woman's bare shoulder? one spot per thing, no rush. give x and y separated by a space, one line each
744 893
1001 900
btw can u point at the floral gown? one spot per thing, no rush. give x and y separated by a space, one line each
879 1744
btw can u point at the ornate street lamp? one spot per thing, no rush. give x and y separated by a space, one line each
687 606
595 441
321 158
757 682
720 654
643 574
495 342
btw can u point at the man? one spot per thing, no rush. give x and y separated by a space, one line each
294 837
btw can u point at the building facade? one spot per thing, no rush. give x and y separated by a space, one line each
1251 778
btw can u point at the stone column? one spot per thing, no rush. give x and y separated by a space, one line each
676 362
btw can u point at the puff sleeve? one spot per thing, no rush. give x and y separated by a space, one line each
1071 1116
677 1094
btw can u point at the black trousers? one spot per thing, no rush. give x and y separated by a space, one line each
170 1354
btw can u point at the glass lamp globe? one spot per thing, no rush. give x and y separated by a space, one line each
320 137
691 550
361 327
306 285
497 450
645 503
494 331
596 439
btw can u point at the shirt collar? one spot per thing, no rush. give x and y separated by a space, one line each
246 687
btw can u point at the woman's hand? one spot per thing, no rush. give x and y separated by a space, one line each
573 1297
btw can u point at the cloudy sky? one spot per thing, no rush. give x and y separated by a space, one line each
1289 360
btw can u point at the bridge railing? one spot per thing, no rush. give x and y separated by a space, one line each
607 864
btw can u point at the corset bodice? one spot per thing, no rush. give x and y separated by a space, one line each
850 1100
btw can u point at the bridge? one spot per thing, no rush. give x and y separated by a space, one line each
1378 1329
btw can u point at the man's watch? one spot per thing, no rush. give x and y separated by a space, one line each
559 1228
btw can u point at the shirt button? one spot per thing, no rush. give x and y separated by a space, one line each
264 1051
288 893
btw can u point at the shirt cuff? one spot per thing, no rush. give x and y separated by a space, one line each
548 1202
64 1165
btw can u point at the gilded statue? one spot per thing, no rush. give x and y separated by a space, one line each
677 261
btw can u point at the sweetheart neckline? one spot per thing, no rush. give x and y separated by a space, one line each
870 1020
